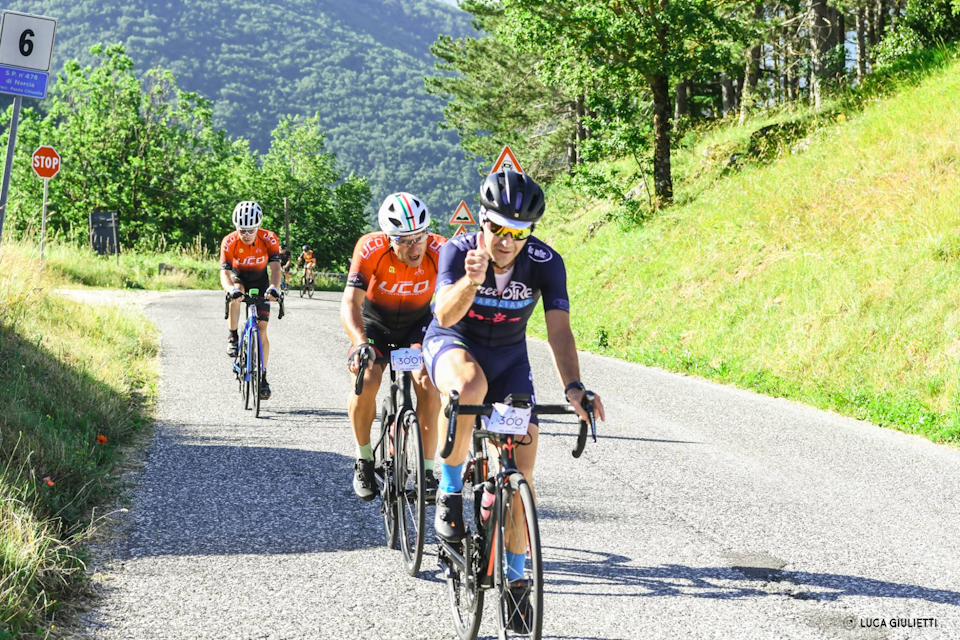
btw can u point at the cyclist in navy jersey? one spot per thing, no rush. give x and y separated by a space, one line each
487 288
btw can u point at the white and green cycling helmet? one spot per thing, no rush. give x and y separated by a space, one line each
402 214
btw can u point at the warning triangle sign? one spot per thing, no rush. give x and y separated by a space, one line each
462 215
506 162
461 229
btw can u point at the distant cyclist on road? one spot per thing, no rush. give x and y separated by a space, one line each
245 257
386 302
286 262
309 263
488 287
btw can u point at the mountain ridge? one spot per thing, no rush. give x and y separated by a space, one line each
360 65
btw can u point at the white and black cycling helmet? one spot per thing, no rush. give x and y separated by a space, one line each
247 214
511 199
402 214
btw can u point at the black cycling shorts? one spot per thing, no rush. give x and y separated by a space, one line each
260 283
384 340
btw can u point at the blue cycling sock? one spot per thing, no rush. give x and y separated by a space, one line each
451 479
515 565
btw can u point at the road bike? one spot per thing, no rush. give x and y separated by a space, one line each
307 285
248 365
493 489
398 455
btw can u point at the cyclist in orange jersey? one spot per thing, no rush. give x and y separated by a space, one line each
386 304
245 256
309 263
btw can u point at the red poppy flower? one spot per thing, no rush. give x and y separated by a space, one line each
101 439
48 481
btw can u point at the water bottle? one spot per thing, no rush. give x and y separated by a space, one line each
487 499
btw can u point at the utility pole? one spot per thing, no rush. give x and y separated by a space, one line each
286 223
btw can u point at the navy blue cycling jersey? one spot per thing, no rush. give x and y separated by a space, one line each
495 318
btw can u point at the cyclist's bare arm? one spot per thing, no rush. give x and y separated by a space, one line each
564 348
227 280
350 314
454 300
275 274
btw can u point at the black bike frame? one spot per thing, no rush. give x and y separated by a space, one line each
506 444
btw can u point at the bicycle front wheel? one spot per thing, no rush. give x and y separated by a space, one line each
465 594
386 465
411 502
520 588
255 371
244 378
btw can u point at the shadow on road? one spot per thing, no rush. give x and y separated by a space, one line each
600 433
578 568
280 414
248 500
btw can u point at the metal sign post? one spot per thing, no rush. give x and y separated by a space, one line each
26 52
46 164
116 241
43 220
8 163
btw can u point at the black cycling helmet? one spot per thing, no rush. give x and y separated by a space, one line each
306 247
513 195
283 247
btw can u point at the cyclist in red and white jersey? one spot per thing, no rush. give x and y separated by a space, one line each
387 302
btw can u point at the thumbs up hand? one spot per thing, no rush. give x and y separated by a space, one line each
476 262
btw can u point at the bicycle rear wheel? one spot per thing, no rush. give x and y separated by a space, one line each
385 463
411 502
255 371
521 597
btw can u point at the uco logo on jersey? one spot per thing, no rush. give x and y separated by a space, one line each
406 288
370 246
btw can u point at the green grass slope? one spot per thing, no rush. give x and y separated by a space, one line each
829 276
76 382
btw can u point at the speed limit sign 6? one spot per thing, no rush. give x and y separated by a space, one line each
26 41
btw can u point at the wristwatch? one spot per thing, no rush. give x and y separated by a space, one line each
576 384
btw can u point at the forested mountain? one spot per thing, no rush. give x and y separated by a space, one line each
359 64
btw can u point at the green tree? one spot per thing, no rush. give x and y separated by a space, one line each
617 47
325 211
495 97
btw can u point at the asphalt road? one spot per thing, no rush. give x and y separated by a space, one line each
702 511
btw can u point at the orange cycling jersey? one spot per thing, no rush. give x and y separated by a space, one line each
307 257
397 294
249 261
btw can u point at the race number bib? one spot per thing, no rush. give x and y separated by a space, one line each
509 420
406 360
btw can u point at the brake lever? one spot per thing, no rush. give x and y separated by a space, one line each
582 435
358 386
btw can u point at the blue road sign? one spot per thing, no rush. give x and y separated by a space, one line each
23 82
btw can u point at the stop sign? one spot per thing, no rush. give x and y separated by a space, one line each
46 162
